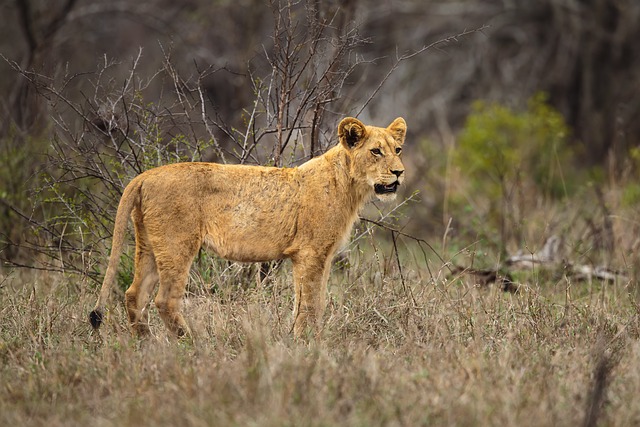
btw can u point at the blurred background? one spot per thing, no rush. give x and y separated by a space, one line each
523 115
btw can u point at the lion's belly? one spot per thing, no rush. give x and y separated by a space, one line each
243 233
245 247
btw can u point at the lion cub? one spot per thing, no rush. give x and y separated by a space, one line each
250 214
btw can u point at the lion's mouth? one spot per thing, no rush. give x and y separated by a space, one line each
386 188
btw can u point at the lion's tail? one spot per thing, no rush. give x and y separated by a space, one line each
130 197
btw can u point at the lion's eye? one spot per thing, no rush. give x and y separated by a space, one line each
398 150
376 152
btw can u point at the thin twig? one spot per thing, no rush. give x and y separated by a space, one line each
400 59
417 239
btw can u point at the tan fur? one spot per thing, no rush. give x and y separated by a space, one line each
250 214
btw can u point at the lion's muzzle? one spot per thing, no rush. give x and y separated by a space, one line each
386 188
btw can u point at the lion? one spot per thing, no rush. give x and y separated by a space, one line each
250 214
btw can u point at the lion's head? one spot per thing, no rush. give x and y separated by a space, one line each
376 154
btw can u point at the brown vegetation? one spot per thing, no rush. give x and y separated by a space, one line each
435 352
523 126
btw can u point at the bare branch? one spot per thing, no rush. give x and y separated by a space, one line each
405 57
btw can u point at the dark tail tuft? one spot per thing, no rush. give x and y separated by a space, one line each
95 317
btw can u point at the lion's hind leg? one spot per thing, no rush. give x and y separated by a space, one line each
145 280
137 296
174 273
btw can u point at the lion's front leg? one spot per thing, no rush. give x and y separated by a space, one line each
310 276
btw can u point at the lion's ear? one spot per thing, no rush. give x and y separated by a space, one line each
351 131
398 129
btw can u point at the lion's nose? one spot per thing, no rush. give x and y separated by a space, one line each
397 172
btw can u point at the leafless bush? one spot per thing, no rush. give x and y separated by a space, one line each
106 131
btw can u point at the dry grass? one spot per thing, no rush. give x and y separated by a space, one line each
432 352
